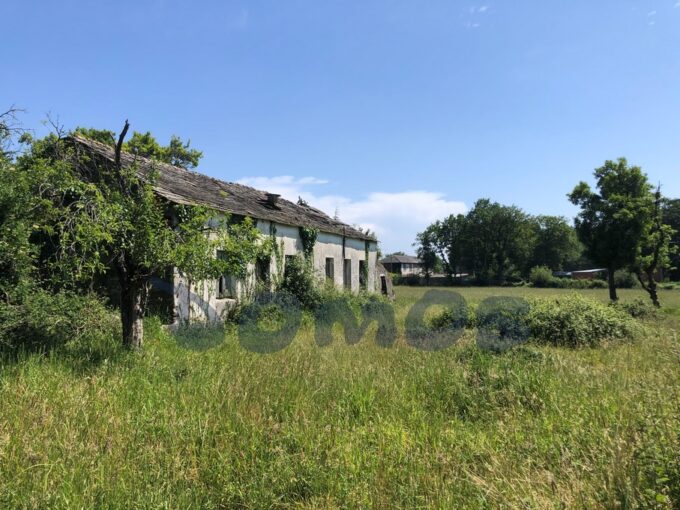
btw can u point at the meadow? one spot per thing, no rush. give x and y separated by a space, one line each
196 421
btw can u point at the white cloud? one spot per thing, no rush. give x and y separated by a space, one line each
651 13
677 4
396 218
483 8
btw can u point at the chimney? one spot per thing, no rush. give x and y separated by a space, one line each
272 198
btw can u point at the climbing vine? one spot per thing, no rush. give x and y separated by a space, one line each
308 236
364 268
276 250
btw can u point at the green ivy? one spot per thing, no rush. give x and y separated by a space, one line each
308 236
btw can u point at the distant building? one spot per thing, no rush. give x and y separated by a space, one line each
404 265
588 274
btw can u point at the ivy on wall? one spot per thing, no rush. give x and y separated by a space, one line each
364 268
308 236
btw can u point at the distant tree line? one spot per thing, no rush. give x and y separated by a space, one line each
497 243
625 224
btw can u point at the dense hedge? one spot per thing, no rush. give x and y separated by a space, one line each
571 320
41 321
576 321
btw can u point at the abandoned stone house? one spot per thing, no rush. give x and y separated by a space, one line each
339 254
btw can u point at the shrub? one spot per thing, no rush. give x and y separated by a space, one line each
625 279
501 322
577 321
411 279
450 316
596 284
299 280
42 321
638 308
541 276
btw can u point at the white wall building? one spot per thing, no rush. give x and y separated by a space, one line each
339 253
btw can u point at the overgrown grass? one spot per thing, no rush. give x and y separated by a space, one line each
195 421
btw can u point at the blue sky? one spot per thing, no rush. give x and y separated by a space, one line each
393 113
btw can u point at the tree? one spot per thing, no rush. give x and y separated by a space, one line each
557 245
176 153
613 221
497 240
16 212
103 216
426 252
670 209
442 241
655 250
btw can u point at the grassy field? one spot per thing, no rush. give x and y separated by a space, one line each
347 426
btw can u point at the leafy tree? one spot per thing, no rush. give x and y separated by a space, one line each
426 252
655 250
443 241
497 239
176 153
16 213
613 222
101 216
670 209
557 245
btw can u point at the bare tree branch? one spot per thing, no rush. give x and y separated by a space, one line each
119 145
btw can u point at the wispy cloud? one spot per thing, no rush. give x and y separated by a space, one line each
473 15
395 217
651 13
677 4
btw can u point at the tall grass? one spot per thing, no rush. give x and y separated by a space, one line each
345 426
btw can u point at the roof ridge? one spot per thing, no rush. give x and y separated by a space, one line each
183 185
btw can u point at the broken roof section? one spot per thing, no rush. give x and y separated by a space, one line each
187 187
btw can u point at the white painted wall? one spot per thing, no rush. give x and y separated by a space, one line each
200 303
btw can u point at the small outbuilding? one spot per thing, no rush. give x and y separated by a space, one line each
404 265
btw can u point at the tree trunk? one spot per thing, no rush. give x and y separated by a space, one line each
612 285
649 286
651 289
132 313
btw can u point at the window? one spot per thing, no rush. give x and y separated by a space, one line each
330 270
226 284
287 260
262 267
362 274
347 274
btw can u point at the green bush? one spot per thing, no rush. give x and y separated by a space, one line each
577 321
638 308
449 316
541 276
625 279
299 280
43 321
596 284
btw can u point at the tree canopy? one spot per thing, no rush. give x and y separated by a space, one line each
619 224
87 216
497 242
